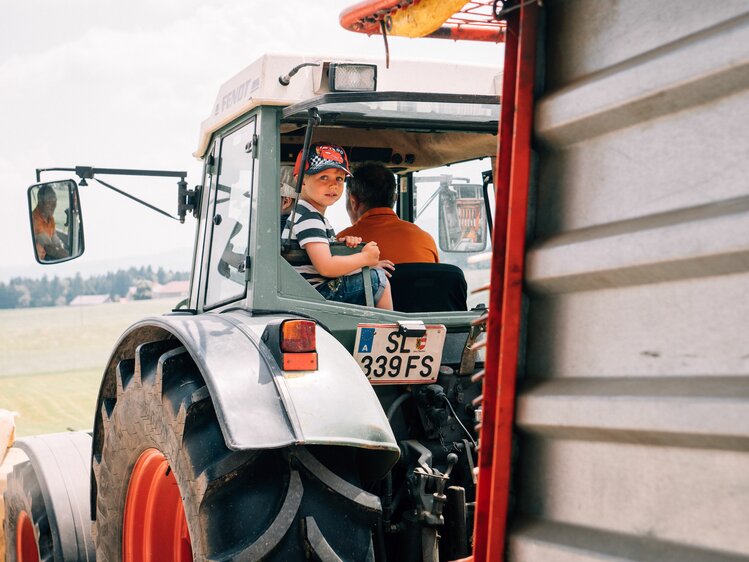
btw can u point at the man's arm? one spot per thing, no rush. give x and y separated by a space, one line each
52 245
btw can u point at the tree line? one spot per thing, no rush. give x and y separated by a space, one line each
21 292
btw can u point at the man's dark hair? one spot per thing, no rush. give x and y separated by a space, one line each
45 192
373 185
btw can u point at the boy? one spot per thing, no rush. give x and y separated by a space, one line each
336 278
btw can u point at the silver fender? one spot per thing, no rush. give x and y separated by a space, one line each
259 406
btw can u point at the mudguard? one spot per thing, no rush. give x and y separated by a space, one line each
259 406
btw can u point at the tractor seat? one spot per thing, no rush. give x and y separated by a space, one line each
428 287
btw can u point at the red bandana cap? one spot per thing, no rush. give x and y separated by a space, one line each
323 156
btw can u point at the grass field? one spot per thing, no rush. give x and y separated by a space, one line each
52 359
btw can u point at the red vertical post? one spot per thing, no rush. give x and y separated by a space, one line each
505 300
499 243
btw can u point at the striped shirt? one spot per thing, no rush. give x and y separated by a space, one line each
309 226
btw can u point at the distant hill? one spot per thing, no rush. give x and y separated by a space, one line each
177 260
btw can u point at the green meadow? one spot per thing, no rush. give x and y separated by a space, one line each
51 360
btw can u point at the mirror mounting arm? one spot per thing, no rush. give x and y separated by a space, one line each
134 198
186 198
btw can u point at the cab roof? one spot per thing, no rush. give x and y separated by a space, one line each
259 84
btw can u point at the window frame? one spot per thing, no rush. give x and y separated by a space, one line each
210 216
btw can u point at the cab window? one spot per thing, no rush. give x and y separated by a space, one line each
229 228
449 204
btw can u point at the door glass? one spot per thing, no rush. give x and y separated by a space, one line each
453 196
230 226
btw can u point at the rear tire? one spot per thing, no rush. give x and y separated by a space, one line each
27 534
47 500
277 505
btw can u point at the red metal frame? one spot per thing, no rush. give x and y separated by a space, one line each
474 22
489 419
505 299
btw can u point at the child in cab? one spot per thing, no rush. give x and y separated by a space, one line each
336 278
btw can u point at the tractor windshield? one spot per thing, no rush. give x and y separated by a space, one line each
441 150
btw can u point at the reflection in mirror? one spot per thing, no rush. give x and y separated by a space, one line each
56 221
462 218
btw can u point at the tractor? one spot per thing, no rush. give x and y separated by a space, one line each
256 420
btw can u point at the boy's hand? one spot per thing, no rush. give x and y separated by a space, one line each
351 241
371 253
387 266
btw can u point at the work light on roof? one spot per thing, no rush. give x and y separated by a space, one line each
347 77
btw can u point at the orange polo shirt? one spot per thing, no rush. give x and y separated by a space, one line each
399 241
42 226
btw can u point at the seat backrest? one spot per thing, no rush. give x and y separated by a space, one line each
428 287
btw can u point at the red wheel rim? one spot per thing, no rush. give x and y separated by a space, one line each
155 527
26 550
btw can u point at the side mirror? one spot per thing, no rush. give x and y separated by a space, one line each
56 221
462 218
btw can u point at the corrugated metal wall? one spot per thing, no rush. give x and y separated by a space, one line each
633 409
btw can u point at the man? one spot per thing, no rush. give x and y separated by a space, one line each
370 196
48 244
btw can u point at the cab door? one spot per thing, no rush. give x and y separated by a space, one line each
228 216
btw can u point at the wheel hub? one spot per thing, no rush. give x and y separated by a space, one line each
26 549
155 527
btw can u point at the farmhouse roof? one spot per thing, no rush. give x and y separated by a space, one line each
86 300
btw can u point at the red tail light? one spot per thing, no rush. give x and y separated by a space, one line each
298 336
296 345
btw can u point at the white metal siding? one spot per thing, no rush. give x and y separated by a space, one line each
633 408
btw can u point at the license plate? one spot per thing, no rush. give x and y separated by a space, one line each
388 357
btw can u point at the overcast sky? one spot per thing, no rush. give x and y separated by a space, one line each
126 85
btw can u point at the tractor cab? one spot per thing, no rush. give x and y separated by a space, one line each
423 121
438 140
